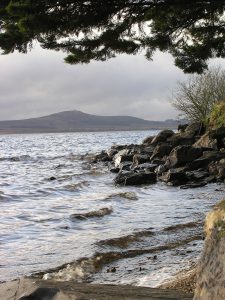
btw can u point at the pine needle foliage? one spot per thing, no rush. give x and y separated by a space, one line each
192 31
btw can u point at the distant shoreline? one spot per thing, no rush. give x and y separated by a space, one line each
23 131
77 121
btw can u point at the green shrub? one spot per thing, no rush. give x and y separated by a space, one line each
217 116
196 97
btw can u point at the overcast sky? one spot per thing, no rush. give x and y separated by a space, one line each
40 83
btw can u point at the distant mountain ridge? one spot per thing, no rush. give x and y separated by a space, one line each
72 121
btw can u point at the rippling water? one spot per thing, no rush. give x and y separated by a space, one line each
57 208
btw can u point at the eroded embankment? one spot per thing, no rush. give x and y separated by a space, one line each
211 269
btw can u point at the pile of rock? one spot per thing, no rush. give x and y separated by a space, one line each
191 157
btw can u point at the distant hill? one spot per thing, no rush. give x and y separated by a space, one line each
71 121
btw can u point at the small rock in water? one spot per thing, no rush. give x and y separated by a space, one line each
114 170
92 214
111 270
65 227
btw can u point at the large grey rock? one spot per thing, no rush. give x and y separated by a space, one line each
148 140
218 133
180 139
112 152
195 129
125 166
162 136
103 156
161 150
199 163
148 167
206 158
161 169
133 178
182 127
218 169
148 150
182 155
206 141
175 176
140 159
121 156
197 175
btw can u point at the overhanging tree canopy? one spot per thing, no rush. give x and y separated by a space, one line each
192 31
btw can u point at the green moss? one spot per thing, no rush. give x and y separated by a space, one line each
217 116
220 226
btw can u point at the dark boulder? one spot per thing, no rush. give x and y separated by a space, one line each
125 166
140 159
179 139
114 170
161 150
160 170
199 163
147 167
206 158
112 152
218 133
213 155
182 127
218 169
132 178
206 141
148 140
158 161
195 129
182 155
162 136
213 168
221 169
121 156
197 175
103 156
175 176
148 150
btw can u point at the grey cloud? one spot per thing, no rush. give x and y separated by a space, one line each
40 83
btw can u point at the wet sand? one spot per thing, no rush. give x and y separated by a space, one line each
27 289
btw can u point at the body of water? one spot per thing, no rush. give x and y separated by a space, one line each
58 209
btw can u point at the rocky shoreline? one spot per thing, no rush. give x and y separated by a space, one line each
190 158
